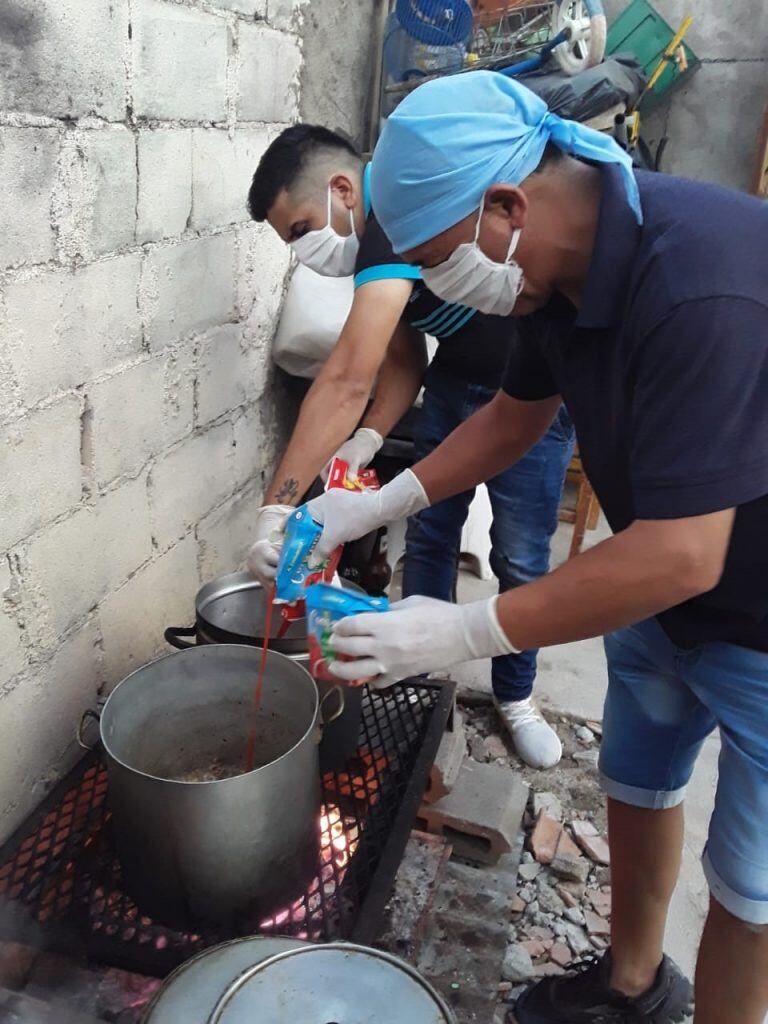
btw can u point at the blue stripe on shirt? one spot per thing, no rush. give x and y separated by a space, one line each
460 323
387 272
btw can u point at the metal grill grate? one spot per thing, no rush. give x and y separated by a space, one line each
60 880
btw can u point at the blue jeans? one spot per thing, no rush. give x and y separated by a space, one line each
524 499
662 703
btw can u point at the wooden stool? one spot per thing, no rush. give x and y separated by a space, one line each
587 511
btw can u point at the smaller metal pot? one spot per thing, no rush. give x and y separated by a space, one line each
232 609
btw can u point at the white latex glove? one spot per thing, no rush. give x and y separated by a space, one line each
417 635
348 515
358 451
265 552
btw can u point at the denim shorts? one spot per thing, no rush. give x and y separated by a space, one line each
661 705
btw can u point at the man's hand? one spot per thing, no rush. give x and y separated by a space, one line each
265 552
347 515
358 451
418 635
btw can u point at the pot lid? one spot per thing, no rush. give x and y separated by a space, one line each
331 984
191 992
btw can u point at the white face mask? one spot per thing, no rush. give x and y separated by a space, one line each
471 278
326 251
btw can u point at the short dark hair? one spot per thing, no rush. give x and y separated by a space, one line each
552 155
286 159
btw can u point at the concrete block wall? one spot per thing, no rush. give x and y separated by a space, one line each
713 120
138 407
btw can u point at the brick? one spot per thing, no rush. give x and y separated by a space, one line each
63 58
560 954
11 634
591 842
596 925
547 970
181 63
15 964
95 201
223 378
549 804
63 328
269 75
250 444
566 896
27 176
188 287
566 846
601 901
77 561
448 761
140 412
226 534
189 481
38 720
41 455
222 168
123 995
164 199
518 906
572 868
482 814
20 1008
56 979
263 264
134 617
545 837
534 947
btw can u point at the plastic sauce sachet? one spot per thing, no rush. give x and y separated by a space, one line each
297 568
327 605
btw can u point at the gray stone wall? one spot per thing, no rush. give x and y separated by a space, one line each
713 121
139 412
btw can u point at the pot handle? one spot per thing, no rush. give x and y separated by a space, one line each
173 637
88 713
339 711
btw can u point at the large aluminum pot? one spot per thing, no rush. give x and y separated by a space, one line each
232 610
274 980
219 851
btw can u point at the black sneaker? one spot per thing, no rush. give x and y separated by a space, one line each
584 996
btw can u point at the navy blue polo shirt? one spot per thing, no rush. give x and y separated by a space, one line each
664 370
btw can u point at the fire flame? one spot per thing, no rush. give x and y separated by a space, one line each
338 842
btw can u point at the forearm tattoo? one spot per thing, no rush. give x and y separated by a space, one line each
288 491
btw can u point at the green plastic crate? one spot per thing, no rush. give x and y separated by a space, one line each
642 31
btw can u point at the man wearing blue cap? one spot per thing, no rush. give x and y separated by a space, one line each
313 189
644 306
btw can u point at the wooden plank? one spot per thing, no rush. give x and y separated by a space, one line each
760 174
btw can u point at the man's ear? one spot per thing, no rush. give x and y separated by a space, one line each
343 186
509 202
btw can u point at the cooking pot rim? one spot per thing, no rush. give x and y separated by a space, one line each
197 652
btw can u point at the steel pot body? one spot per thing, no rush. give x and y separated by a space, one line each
215 851
232 609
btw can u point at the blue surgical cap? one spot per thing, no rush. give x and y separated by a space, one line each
454 137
